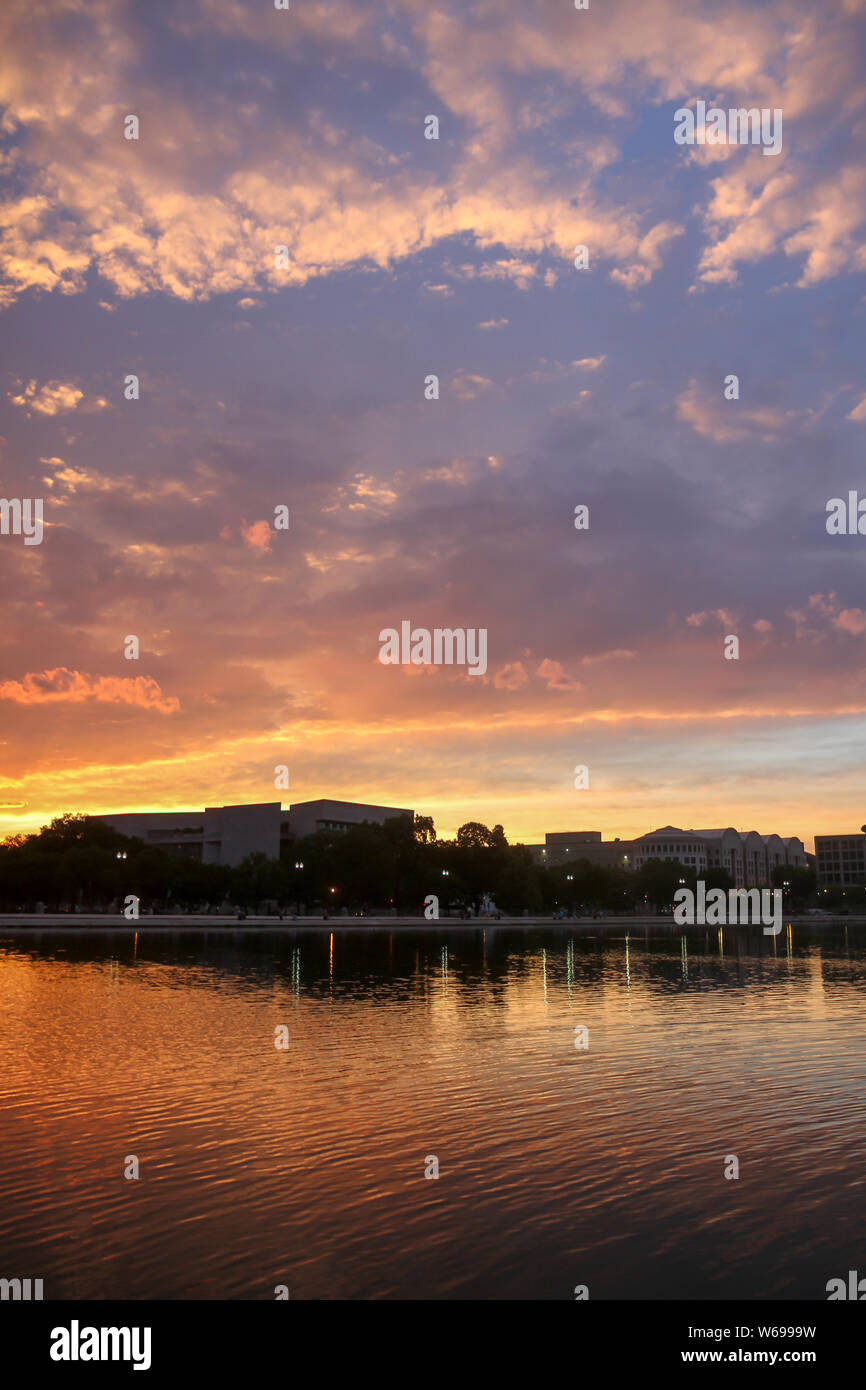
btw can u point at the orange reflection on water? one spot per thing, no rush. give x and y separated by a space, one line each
309 1161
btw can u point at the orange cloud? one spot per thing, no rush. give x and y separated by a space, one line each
511 677
74 687
467 387
851 620
258 535
730 422
552 672
723 615
54 398
618 654
173 217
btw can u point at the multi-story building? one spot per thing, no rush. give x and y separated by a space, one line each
566 846
216 835
796 854
725 851
776 853
748 857
840 859
227 834
672 845
306 817
754 859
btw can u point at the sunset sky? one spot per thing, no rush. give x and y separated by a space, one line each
304 386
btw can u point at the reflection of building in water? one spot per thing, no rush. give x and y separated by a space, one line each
749 858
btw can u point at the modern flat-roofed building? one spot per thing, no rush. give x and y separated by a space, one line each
306 817
216 835
840 859
227 834
567 846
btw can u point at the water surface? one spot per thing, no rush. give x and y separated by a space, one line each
558 1166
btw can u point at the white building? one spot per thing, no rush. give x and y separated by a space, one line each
671 846
748 857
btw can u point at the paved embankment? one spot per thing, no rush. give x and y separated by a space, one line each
114 922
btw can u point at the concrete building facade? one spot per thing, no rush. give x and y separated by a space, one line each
725 851
227 834
796 854
747 856
306 817
840 859
567 846
672 845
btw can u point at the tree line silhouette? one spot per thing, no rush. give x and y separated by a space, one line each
78 863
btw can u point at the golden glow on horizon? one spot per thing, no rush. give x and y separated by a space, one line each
422 779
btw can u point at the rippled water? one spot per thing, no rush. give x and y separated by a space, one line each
557 1166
